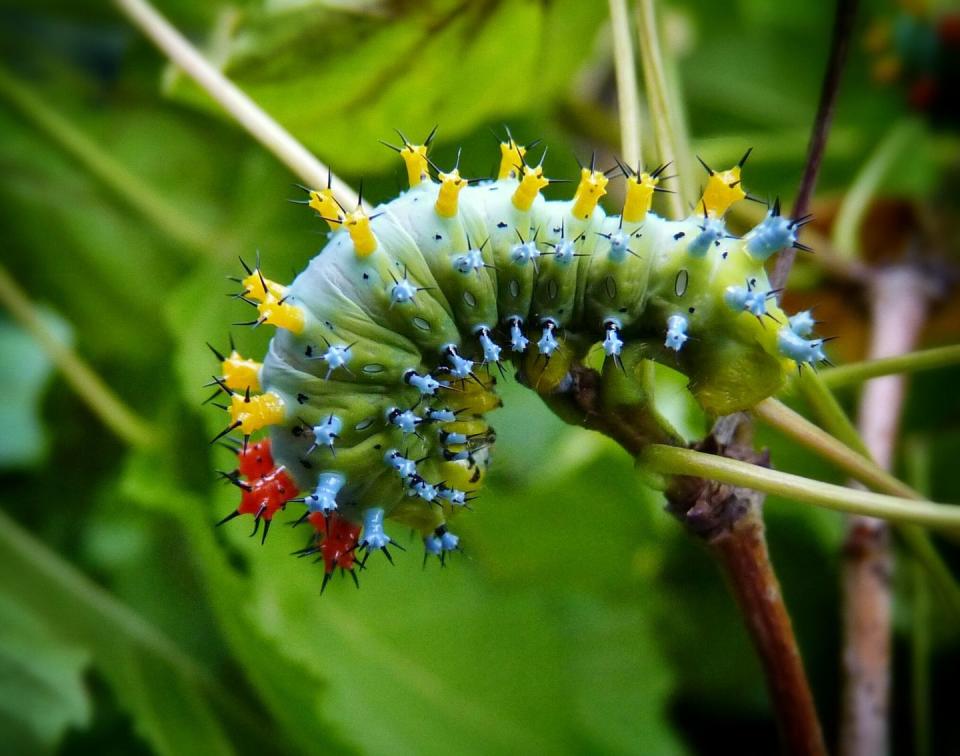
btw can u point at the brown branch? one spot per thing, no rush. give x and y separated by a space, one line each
899 304
730 520
844 18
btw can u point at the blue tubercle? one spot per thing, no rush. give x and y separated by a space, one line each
619 246
460 367
335 357
676 332
468 262
518 342
525 252
451 439
405 467
402 292
548 342
563 253
432 545
491 352
327 432
440 416
449 541
424 490
440 542
711 232
802 323
324 496
406 420
427 385
374 536
612 343
798 348
746 299
456 497
771 235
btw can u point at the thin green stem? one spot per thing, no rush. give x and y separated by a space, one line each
672 460
244 110
187 234
812 437
831 414
858 372
828 409
658 96
625 67
119 418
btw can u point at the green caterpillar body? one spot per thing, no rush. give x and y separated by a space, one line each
382 371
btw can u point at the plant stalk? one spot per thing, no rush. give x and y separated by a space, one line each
899 304
912 362
729 519
106 405
100 163
658 97
843 22
244 110
625 68
672 460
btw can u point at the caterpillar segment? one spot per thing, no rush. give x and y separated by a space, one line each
377 383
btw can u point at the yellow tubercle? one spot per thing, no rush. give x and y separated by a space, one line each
358 226
281 314
256 412
415 158
464 474
530 185
450 186
240 374
259 289
723 189
511 158
327 207
639 197
592 186
475 398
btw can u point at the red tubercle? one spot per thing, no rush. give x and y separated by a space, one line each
338 540
256 460
266 495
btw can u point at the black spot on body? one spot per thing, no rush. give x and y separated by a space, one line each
501 224
679 235
301 398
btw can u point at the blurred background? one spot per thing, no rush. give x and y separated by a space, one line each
579 617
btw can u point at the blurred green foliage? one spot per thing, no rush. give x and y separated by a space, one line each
579 618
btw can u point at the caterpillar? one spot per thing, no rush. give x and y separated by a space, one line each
376 384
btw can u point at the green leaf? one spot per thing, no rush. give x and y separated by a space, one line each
340 81
168 696
25 372
41 681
